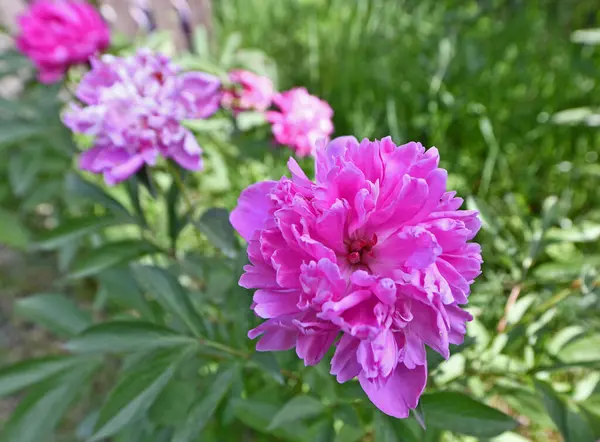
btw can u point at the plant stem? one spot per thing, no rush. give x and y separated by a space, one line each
225 348
179 183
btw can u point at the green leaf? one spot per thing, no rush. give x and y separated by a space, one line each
18 131
40 412
211 125
109 255
214 223
268 363
55 312
561 271
122 288
579 429
256 415
32 371
555 406
248 120
300 407
77 186
12 231
201 413
384 431
132 397
586 36
459 413
169 293
583 349
124 336
173 403
486 214
69 230
349 433
23 167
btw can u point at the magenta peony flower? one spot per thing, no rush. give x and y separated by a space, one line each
303 120
135 106
249 92
58 34
373 258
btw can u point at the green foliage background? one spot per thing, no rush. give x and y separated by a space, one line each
146 310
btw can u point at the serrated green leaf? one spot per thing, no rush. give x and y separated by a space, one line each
124 336
55 312
165 288
132 397
459 413
32 371
109 255
203 410
214 223
300 407
71 229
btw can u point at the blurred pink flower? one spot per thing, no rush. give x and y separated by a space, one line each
248 92
302 120
135 106
58 34
373 257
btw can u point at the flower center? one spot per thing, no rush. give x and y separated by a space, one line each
359 249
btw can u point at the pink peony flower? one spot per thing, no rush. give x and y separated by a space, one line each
373 257
303 120
135 106
249 92
58 34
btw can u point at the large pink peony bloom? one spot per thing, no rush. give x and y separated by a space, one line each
135 106
58 34
248 92
373 258
302 121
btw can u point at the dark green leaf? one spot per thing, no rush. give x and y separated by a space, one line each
172 296
554 405
257 415
214 223
55 312
71 229
110 255
123 336
12 231
268 363
132 397
173 403
300 407
26 373
77 186
459 413
23 167
322 431
200 414
384 431
349 433
40 412
122 288
579 429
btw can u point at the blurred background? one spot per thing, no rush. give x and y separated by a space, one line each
509 92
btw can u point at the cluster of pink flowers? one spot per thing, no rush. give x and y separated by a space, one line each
58 34
134 109
300 121
373 257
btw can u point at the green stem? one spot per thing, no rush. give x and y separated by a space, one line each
180 185
224 348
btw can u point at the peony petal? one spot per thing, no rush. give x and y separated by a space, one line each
400 393
253 209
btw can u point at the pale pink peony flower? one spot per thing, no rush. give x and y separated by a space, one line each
302 121
58 34
135 106
373 257
248 92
